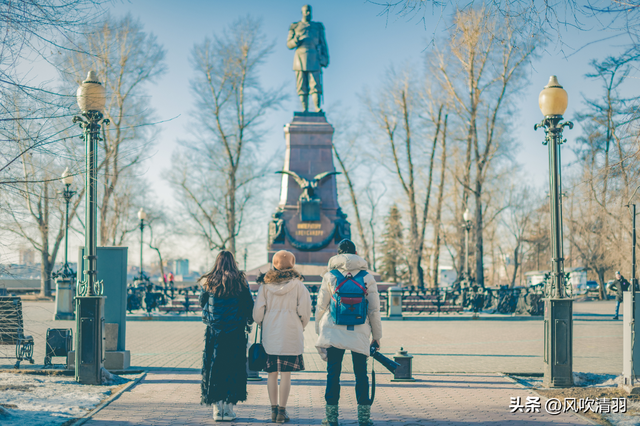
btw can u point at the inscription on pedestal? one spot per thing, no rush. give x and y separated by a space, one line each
308 231
310 235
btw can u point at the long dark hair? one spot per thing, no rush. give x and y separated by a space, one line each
225 279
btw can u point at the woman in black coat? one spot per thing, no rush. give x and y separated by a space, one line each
227 310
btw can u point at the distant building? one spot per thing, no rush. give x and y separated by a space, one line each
27 257
181 267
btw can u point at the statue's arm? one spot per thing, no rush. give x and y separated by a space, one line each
292 40
323 49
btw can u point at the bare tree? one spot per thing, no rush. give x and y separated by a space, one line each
128 59
394 113
30 31
609 171
366 243
617 17
31 207
516 223
373 200
481 68
230 109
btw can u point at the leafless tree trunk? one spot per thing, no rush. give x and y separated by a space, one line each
389 118
230 108
488 57
438 222
354 203
37 215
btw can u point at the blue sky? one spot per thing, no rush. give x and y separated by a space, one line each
362 45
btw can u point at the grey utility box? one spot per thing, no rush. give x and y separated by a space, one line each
112 271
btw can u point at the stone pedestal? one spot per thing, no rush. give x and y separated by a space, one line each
310 228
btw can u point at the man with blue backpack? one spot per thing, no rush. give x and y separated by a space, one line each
347 316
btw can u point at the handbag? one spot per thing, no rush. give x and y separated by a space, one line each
257 355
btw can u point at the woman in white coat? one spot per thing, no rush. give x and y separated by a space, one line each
283 309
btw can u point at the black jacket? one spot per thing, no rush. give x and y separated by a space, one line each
226 314
619 286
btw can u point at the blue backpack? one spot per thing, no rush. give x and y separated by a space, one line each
349 304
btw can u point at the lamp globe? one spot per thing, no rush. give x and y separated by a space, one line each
91 94
67 178
553 99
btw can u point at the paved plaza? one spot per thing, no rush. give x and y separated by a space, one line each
457 363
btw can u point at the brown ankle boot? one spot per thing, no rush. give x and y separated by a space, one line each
274 413
282 415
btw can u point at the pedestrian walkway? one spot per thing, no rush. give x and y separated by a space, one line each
167 398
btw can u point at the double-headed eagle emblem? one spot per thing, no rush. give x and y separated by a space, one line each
308 187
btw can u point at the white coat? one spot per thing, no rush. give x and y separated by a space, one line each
283 308
331 334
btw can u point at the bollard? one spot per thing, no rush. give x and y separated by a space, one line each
65 292
403 372
395 303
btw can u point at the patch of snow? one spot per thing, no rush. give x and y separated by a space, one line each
596 380
579 379
48 400
622 419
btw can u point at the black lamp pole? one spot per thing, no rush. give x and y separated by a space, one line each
558 322
142 215
141 244
467 229
67 272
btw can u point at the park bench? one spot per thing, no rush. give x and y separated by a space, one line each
180 304
424 302
12 330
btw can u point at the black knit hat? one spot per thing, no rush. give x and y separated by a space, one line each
346 246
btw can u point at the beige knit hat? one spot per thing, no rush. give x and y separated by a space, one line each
283 260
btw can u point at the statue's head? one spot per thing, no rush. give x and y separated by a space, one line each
306 13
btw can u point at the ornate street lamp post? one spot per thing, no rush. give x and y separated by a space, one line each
558 309
90 302
65 276
67 179
142 215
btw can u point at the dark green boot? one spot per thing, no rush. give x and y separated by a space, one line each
332 416
364 415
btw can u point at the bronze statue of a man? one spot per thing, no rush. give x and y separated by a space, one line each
307 37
